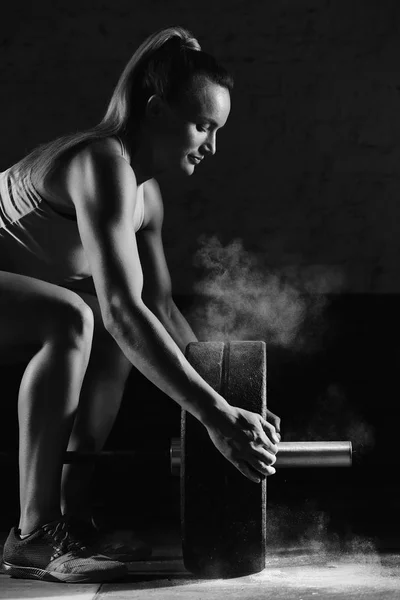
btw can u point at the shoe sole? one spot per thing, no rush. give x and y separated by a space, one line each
43 575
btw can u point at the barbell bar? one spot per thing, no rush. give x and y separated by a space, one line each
290 455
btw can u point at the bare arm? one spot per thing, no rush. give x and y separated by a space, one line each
104 189
180 328
157 290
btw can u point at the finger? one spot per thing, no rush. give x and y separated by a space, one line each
267 439
270 431
260 468
262 451
274 420
251 474
262 443
263 456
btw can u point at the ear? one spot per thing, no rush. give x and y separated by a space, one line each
154 107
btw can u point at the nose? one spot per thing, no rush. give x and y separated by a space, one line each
211 144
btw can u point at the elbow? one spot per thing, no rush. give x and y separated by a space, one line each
110 325
163 309
112 311
120 315
161 305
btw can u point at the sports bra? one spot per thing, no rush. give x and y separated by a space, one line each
37 238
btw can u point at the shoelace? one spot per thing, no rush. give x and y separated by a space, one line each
63 538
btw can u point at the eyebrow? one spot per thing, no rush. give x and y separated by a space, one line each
213 122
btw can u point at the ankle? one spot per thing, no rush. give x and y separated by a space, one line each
78 513
28 524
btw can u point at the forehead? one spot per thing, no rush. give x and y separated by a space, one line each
206 100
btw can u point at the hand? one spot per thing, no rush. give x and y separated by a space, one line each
247 440
275 421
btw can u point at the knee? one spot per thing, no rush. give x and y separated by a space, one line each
72 323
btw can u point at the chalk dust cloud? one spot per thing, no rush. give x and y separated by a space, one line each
245 299
241 297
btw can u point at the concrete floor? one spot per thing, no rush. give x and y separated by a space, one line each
309 571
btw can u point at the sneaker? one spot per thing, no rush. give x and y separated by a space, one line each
53 553
123 546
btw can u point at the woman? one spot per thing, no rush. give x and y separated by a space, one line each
85 294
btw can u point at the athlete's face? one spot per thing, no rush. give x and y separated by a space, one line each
189 126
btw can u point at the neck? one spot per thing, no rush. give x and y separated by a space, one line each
140 156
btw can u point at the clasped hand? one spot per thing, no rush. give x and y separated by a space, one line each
247 440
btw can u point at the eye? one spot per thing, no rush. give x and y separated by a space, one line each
201 128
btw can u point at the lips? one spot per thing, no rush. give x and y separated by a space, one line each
195 159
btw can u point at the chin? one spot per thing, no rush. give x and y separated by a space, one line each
186 168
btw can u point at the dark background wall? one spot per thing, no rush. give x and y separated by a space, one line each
306 171
305 177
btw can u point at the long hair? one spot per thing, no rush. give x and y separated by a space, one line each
163 64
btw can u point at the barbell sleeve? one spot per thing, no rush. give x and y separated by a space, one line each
292 455
314 454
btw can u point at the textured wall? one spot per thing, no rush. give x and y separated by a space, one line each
307 168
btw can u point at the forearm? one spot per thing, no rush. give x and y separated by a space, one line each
176 325
153 351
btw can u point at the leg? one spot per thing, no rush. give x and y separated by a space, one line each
100 401
101 396
54 328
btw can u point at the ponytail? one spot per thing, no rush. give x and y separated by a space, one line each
163 64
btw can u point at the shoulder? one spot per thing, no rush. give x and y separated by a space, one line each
90 151
154 208
103 153
98 170
109 146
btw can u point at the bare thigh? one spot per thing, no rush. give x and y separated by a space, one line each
31 311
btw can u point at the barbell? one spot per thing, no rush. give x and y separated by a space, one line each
223 514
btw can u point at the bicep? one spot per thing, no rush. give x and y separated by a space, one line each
105 201
113 256
157 292
157 281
